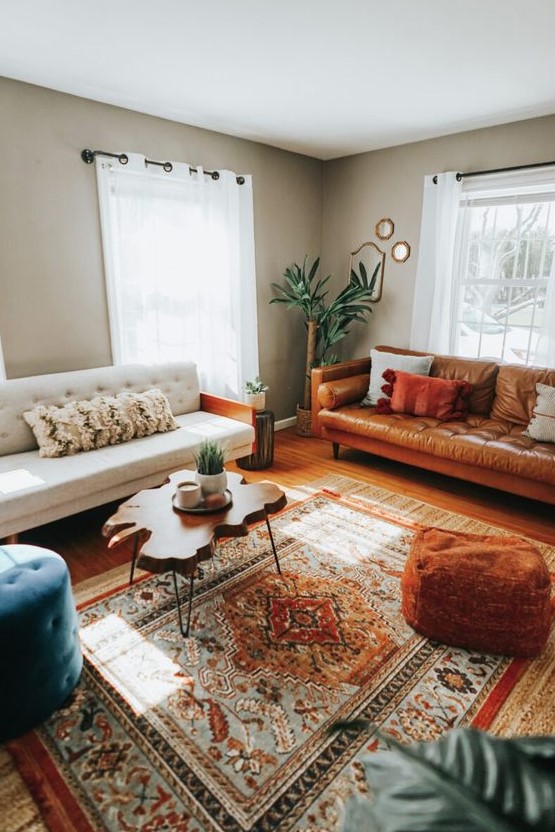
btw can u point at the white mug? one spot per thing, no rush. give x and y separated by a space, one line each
188 494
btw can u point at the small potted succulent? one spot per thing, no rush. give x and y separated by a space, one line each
255 393
210 473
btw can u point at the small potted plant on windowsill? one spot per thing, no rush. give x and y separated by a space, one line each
210 473
255 393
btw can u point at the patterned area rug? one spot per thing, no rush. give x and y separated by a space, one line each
229 729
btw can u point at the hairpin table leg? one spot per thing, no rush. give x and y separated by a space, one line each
273 544
184 633
134 558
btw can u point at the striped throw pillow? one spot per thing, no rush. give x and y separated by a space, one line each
542 423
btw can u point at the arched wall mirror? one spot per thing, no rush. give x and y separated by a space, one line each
371 257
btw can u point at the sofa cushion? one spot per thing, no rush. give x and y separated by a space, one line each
515 392
480 373
95 423
178 381
342 391
442 398
75 480
500 446
542 424
381 361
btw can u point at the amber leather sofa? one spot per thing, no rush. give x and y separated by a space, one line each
488 447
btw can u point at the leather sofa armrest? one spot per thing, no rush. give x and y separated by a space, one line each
332 373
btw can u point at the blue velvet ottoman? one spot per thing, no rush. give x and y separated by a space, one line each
40 652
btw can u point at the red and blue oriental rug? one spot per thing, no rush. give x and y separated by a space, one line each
229 729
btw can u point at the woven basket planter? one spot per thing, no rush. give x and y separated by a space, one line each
304 421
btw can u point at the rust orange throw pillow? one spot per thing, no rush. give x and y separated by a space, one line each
439 398
483 592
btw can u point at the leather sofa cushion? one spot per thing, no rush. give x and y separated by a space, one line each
343 391
515 393
479 441
481 374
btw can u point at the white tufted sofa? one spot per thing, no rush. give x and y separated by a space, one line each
35 490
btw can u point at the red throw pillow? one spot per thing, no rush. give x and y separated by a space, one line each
439 398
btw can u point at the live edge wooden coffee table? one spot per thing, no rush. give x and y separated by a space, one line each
168 539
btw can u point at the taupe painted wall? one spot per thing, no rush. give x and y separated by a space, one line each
53 314
359 190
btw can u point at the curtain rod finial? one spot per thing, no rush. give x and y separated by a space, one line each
87 156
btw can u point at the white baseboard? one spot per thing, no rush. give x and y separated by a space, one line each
285 423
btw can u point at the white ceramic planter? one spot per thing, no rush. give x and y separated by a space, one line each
256 400
212 483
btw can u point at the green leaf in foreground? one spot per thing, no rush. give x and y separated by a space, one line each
467 781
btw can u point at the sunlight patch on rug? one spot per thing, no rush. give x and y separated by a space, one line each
150 675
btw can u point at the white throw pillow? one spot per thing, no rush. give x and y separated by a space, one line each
542 423
418 364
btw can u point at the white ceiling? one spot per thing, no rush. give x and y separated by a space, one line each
323 77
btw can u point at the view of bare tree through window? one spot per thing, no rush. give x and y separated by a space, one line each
507 262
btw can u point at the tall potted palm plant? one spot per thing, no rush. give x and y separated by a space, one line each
326 323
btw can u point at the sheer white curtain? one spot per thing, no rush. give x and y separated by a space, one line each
179 262
434 273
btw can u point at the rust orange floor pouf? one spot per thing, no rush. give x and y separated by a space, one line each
482 592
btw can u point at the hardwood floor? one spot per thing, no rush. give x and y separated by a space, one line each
297 461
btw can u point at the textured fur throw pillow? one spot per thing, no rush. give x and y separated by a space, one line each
95 423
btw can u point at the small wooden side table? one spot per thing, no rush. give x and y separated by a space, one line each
264 454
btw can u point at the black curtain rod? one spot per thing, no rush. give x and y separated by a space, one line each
88 157
499 170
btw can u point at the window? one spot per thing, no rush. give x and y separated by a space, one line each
179 262
485 283
506 262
